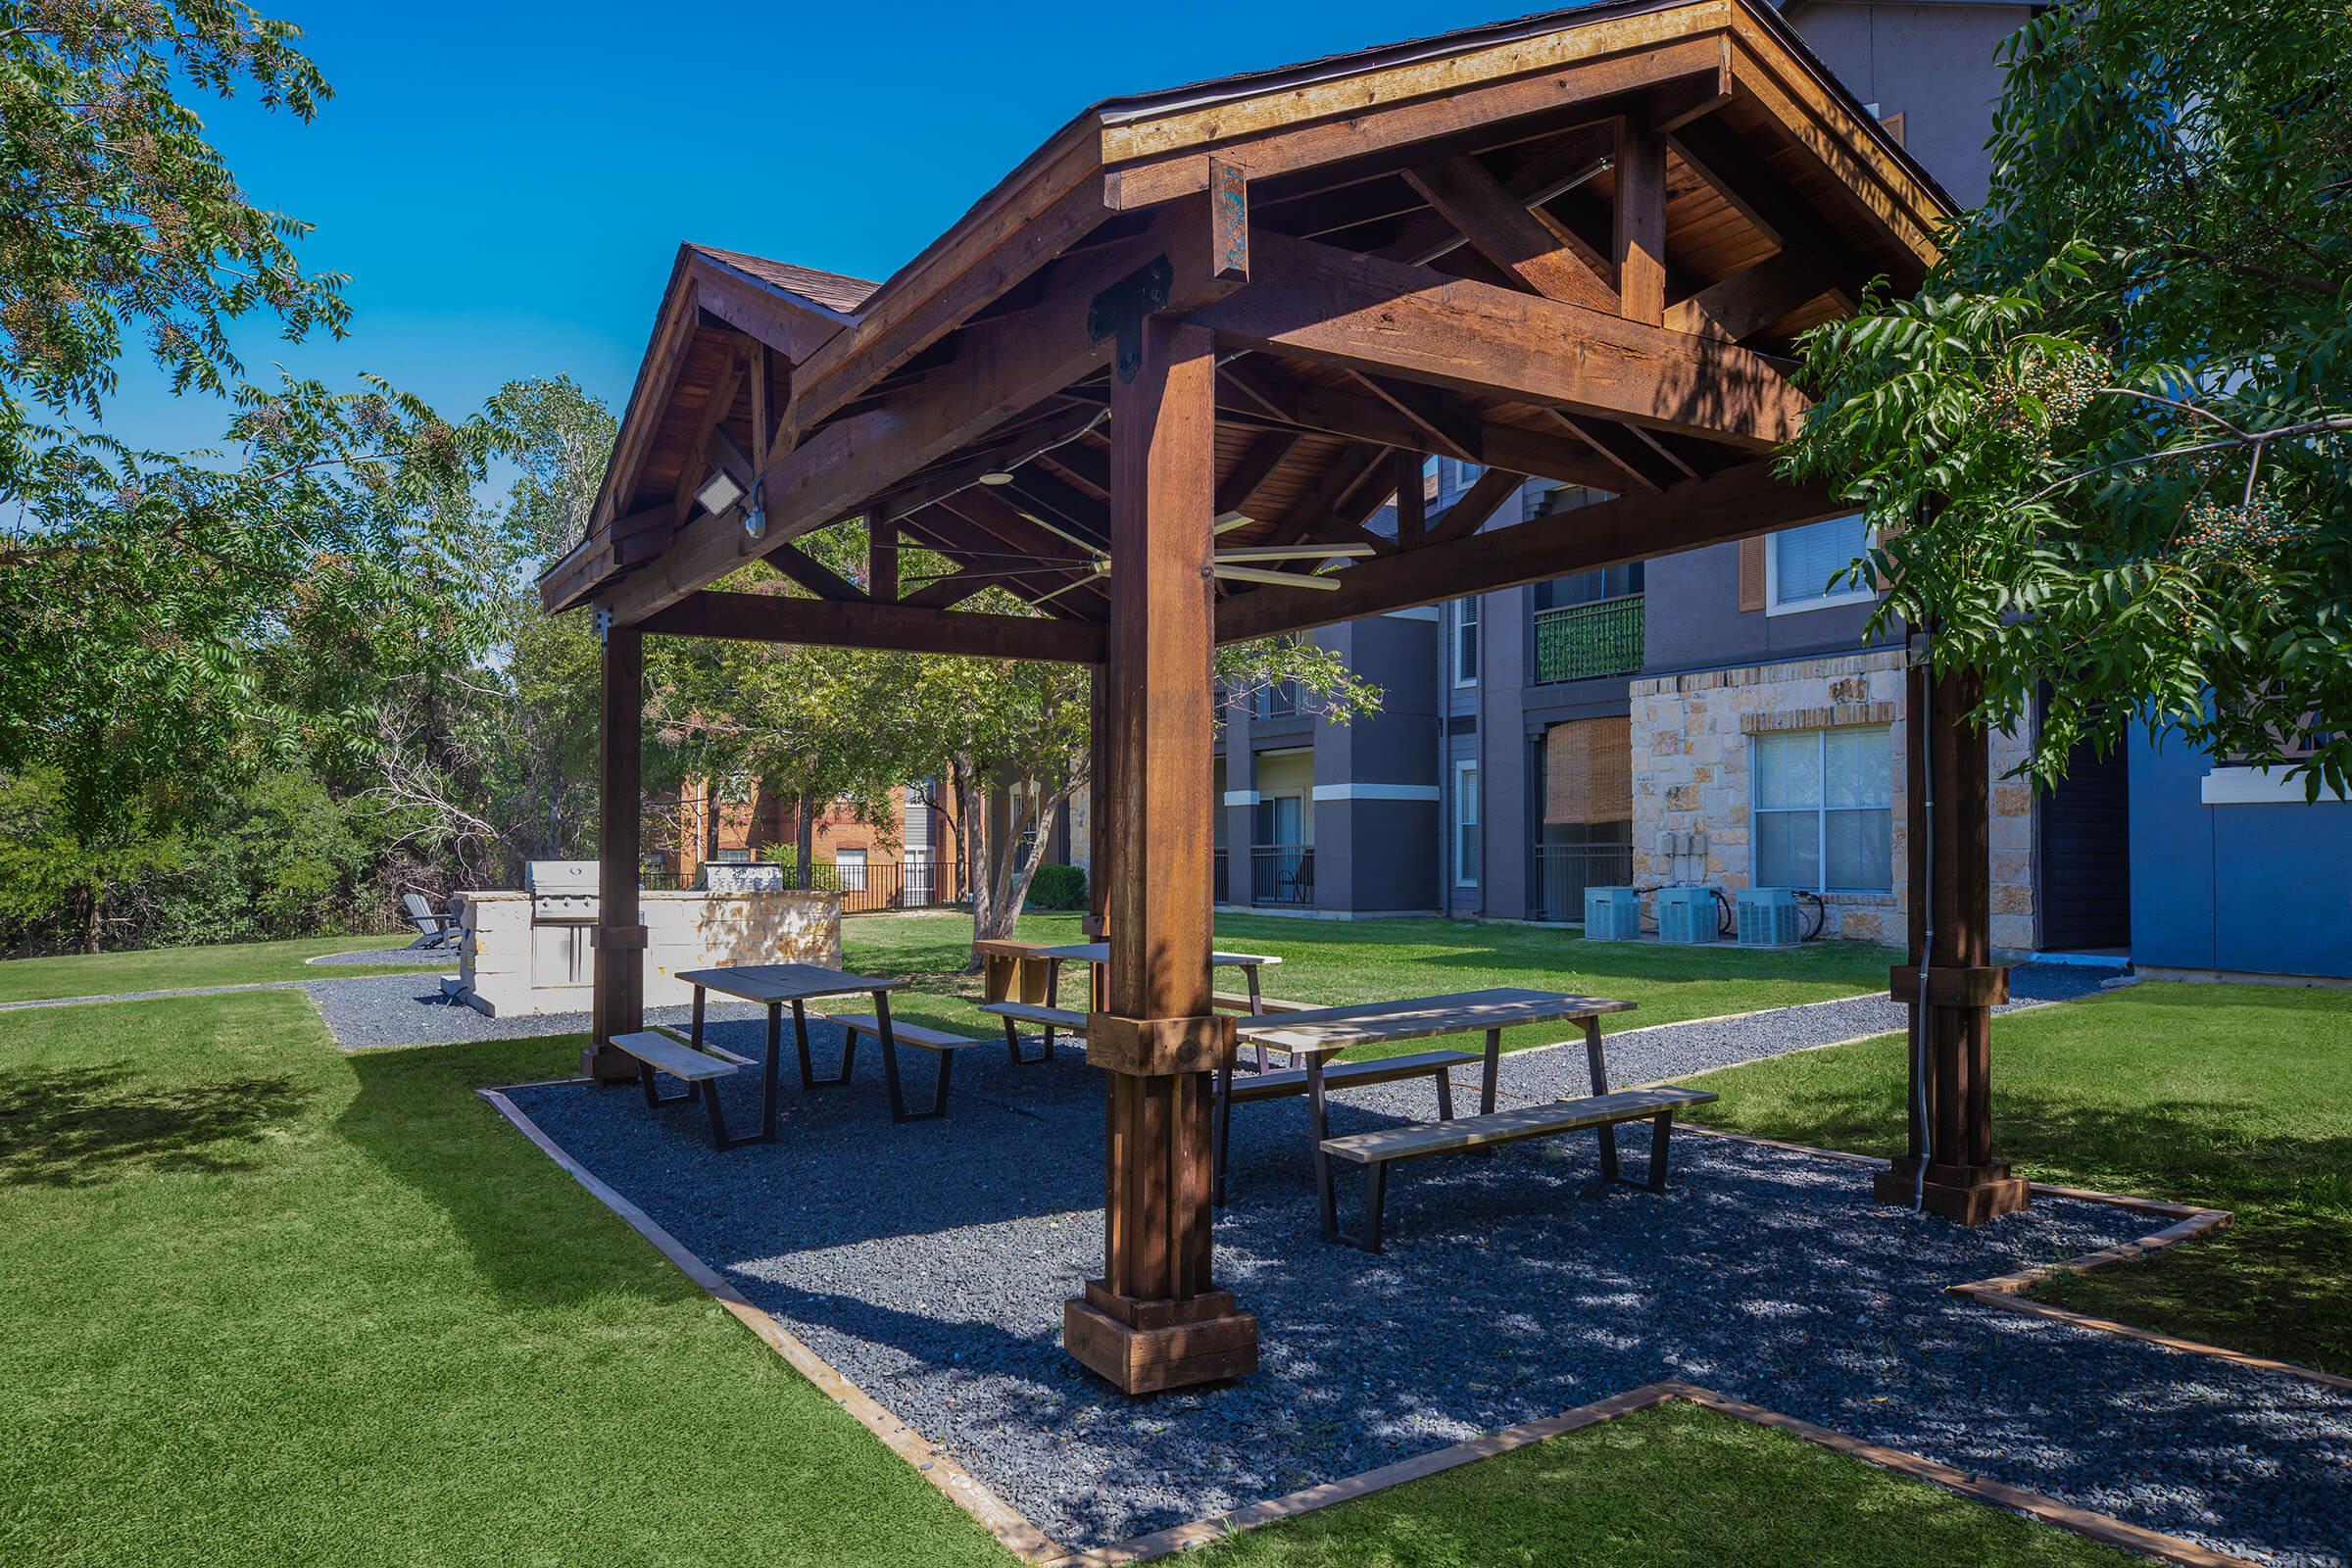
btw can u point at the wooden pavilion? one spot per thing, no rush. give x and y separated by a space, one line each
1201 330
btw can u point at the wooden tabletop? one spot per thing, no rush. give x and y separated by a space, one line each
785 982
1325 1030
1100 952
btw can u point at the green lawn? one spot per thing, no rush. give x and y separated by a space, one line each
1334 961
2239 1096
1669 1487
272 1305
231 963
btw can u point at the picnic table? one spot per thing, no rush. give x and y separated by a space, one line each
1098 952
1314 1038
778 986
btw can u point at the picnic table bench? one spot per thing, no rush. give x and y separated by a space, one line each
1377 1150
1314 1037
777 986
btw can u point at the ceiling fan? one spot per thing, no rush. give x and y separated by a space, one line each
1232 563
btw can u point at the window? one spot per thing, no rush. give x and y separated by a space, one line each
850 867
1823 816
1278 820
1465 641
1465 824
1800 564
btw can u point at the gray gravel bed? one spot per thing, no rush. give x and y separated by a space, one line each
375 1012
1514 1287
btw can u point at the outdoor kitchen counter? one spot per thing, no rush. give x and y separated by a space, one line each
511 965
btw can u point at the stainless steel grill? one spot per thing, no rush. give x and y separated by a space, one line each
564 908
563 892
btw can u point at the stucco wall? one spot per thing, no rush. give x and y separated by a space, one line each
1691 736
2256 889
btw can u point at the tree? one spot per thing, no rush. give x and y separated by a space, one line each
184 627
2112 426
115 214
1015 737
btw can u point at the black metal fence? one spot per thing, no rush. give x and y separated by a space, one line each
1282 875
1563 872
864 888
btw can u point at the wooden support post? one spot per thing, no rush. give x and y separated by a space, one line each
1156 1319
1639 221
881 555
1951 1105
619 938
1097 923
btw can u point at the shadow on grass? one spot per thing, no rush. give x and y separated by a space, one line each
535 1235
82 1126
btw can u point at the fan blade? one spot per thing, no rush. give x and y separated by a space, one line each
1087 545
1282 579
1227 521
1291 552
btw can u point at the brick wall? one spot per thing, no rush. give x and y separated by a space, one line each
1691 737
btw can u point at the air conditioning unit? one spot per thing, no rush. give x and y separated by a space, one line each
1612 915
1686 915
1768 918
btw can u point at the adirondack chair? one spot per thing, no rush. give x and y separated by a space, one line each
434 928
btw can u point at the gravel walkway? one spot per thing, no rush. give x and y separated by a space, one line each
1514 1287
371 1012
385 957
1670 1050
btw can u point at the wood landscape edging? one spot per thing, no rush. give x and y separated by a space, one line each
1007 1524
1021 1537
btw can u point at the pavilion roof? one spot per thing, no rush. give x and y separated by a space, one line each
1364 173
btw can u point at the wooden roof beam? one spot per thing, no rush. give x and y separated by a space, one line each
1525 241
1813 257
799 566
1736 502
1009 364
1310 301
909 628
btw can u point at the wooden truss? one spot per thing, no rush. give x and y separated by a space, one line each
1181 362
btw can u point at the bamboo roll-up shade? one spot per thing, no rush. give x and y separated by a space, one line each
1589 771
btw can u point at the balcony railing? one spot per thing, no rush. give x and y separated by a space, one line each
1563 872
1280 700
1282 876
1581 642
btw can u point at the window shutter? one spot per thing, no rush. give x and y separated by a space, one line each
1587 771
1751 573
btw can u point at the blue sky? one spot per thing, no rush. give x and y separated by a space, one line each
507 184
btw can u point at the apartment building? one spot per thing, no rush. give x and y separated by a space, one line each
1725 716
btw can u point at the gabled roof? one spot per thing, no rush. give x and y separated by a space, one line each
1781 197
832 291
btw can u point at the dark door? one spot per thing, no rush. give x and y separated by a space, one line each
2086 855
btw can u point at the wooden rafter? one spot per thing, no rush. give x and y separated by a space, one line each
1313 302
775 618
1524 241
1732 505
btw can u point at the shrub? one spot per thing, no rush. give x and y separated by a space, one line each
1057 887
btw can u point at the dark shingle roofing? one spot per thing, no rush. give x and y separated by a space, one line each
832 290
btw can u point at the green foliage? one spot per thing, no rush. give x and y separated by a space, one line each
1057 887
115 214
2113 424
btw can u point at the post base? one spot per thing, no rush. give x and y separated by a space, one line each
1967 1195
604 1065
1146 1347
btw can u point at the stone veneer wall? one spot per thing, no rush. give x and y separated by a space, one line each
507 967
1691 747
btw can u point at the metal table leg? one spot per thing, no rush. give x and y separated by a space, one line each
1316 1131
775 1067
1486 1089
890 1059
1257 1009
1599 1068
